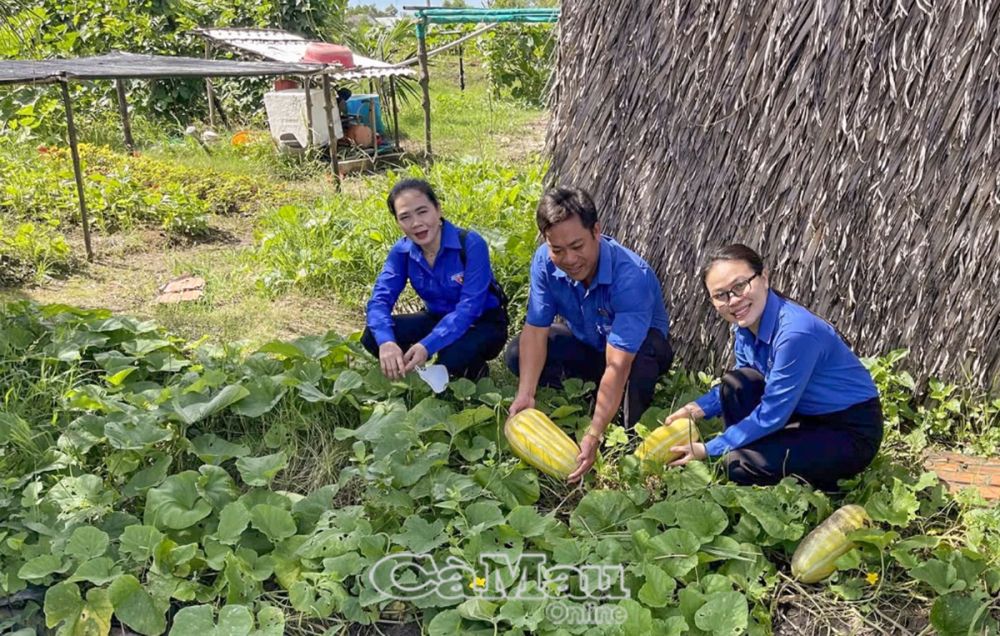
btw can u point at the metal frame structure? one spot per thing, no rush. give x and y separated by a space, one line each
120 66
448 15
285 46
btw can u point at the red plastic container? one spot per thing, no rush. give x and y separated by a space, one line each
324 53
285 84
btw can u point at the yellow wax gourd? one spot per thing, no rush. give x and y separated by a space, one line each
656 447
540 443
814 559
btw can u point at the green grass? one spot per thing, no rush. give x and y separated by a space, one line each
471 123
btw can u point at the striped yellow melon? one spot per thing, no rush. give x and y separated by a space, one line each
814 559
656 447
542 444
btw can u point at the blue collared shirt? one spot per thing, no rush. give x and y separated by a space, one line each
808 369
624 300
460 294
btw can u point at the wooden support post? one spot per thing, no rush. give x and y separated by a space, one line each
424 82
210 94
123 111
374 125
395 111
328 106
461 69
77 170
307 83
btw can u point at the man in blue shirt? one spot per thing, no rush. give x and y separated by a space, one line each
616 326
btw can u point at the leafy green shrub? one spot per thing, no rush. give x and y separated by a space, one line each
143 474
122 191
50 28
30 251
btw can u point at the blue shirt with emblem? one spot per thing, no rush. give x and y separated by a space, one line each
808 369
623 302
459 294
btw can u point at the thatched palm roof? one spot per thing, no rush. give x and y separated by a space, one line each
853 143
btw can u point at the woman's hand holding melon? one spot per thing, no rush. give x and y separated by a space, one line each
688 452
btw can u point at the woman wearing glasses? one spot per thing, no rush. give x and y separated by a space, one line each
799 401
465 318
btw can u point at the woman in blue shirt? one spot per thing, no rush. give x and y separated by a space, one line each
799 401
464 321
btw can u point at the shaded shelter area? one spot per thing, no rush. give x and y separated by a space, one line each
283 46
120 66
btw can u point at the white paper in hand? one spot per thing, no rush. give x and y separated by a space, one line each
435 375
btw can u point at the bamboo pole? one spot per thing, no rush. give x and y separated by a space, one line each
210 94
424 82
461 68
77 170
395 111
123 111
374 125
328 106
307 83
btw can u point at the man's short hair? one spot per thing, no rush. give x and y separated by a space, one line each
560 204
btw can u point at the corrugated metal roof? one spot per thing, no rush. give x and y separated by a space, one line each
283 46
134 66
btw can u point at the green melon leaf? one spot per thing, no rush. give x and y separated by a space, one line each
421 536
233 520
136 433
135 607
99 571
140 542
705 519
194 407
38 568
212 449
276 523
259 471
175 503
724 613
197 619
87 542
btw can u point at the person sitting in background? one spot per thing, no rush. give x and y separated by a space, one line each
616 329
799 401
464 321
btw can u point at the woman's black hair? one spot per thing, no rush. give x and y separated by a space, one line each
559 204
732 252
740 252
411 184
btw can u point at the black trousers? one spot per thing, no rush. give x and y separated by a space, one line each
467 356
816 449
570 358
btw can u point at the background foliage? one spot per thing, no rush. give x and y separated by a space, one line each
48 28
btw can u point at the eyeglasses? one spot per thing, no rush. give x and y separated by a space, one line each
737 290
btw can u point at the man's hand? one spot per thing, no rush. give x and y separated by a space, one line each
520 403
588 455
390 358
416 356
689 452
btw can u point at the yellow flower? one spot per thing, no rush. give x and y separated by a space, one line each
872 578
477 582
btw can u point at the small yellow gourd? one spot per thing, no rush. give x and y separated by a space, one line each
657 445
